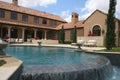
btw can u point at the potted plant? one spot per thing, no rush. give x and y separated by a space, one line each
29 38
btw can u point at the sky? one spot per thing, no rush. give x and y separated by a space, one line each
64 8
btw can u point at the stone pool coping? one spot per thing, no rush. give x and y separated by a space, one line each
8 69
61 45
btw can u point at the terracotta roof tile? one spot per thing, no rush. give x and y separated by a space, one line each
10 6
79 24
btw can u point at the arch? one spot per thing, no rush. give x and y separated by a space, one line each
96 30
40 34
4 32
29 33
14 33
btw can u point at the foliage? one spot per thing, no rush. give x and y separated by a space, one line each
62 35
67 42
117 49
2 62
110 34
74 35
29 36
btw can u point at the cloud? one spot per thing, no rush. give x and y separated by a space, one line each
118 6
92 5
32 3
7 1
66 15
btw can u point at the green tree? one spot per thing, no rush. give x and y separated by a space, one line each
62 35
110 34
74 35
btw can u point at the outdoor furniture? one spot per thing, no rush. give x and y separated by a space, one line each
39 42
90 43
80 42
18 40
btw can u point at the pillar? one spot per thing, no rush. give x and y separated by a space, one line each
9 31
35 31
23 33
45 36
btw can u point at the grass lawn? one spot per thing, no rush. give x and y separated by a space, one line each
2 62
116 49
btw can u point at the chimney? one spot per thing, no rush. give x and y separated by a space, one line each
74 17
15 2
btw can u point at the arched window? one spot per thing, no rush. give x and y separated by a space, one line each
96 30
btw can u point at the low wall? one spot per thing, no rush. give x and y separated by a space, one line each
99 39
12 70
113 57
17 74
45 41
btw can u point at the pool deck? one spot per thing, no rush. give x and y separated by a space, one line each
8 69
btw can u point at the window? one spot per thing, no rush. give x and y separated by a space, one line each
14 15
44 21
36 19
24 17
53 22
2 13
97 30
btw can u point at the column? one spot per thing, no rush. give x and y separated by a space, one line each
23 33
9 31
35 31
45 36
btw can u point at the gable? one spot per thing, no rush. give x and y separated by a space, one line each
96 17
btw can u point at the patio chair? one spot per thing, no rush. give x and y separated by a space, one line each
80 42
91 43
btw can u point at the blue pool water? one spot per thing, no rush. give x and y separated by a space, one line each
54 56
49 55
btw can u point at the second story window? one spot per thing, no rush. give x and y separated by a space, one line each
13 15
36 19
44 21
53 22
2 13
24 17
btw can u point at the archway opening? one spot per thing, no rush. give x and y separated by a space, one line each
29 33
39 34
4 32
14 33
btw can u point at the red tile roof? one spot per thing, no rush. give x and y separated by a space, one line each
79 24
9 6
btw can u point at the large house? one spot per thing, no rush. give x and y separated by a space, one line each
21 22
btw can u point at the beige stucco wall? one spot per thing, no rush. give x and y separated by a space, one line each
80 32
67 35
30 19
98 18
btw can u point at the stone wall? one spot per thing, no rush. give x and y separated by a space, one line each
99 39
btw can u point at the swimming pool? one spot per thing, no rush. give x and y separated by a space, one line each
49 55
52 61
